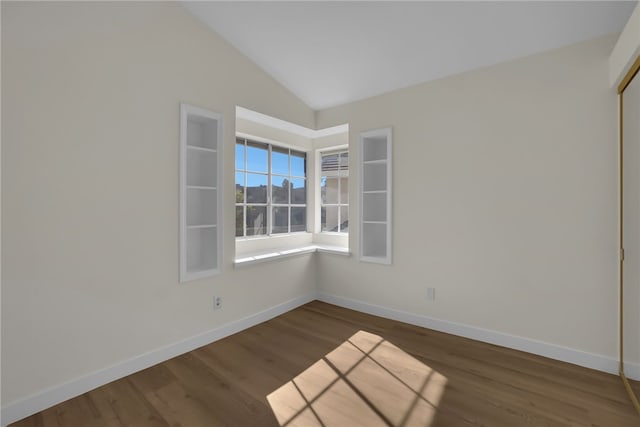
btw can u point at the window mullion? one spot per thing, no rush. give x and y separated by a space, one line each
246 166
289 193
269 191
339 194
244 196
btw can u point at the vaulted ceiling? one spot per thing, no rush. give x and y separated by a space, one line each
331 53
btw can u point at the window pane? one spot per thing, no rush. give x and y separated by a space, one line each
298 163
280 189
344 219
239 221
256 220
256 188
298 191
240 156
330 162
329 190
344 191
344 161
279 161
257 157
298 219
323 188
329 218
239 187
284 175
280 220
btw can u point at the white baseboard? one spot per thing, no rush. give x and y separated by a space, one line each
552 351
632 371
20 409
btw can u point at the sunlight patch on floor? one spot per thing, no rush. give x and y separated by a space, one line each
366 381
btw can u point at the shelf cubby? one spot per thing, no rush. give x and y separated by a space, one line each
201 207
374 206
375 196
374 240
200 192
376 149
202 251
202 131
201 168
374 176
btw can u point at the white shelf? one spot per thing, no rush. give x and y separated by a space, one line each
375 196
197 148
200 187
200 192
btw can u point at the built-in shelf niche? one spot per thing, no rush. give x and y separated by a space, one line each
200 192
375 196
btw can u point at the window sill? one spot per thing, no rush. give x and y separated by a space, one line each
335 250
272 236
290 252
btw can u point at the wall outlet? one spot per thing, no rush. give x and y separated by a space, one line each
431 294
217 303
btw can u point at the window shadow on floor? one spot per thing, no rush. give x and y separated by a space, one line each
365 381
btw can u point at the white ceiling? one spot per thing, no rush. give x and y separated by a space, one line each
332 53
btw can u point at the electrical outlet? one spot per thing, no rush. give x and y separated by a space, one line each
217 303
431 294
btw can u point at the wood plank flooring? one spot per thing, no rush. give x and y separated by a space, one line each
227 383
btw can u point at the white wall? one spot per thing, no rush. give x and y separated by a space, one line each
626 50
504 200
90 97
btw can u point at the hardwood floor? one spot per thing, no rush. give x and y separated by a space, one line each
318 368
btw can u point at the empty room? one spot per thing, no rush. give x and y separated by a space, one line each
320 213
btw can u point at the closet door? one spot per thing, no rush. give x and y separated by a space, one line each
630 236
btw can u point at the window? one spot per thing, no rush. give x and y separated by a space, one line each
271 189
334 188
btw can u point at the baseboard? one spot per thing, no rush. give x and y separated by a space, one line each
552 351
20 409
632 371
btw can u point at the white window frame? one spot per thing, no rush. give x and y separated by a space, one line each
270 205
325 152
